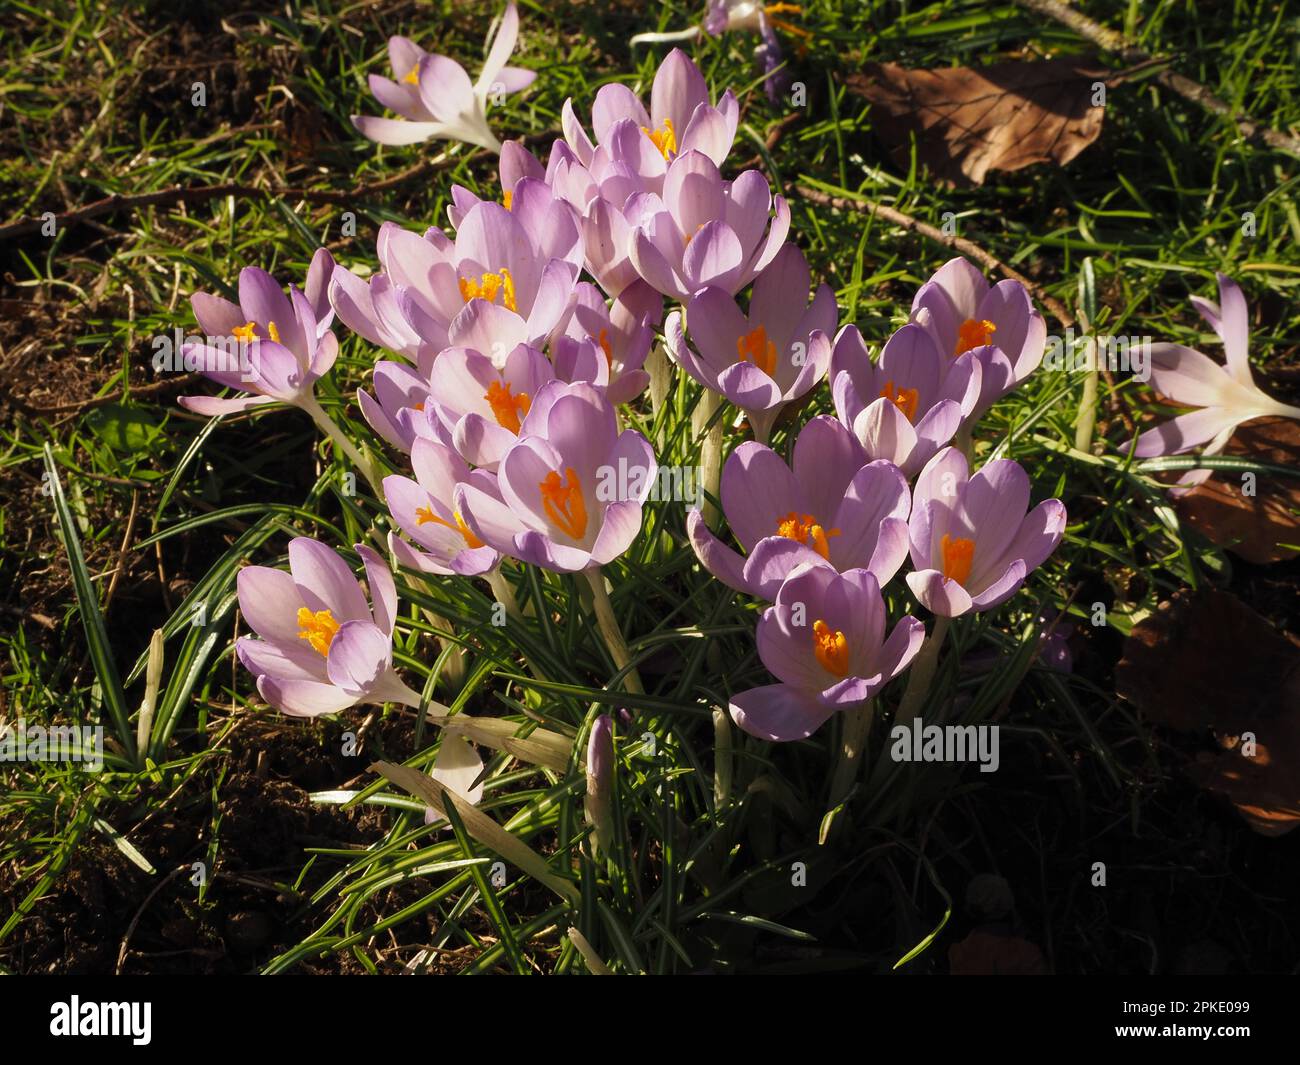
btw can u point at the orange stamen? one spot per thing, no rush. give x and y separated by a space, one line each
318 629
905 399
805 529
562 500
487 287
423 515
831 649
973 334
664 138
505 407
957 557
756 348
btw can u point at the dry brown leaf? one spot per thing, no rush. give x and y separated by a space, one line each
1206 660
989 953
1259 527
970 120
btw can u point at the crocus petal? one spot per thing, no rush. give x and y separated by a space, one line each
939 594
269 600
715 556
383 592
303 698
1185 432
211 406
398 131
325 582
779 712
360 654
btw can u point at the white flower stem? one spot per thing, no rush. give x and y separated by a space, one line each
922 672
710 451
853 741
1087 419
723 759
363 463
656 365
610 632
688 34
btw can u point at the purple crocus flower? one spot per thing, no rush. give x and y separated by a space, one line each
767 358
270 345
606 345
435 97
1226 395
573 487
550 222
705 231
824 640
480 410
971 541
681 118
998 323
424 509
322 646
491 288
833 506
597 804
397 409
908 405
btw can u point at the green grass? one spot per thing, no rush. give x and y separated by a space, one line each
157 509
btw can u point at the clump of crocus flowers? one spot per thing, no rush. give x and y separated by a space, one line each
497 407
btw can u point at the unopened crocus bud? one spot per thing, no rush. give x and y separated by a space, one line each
600 770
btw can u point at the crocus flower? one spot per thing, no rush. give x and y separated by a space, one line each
322 646
738 16
833 506
705 231
480 410
824 640
435 97
606 345
680 118
1226 395
550 222
573 486
972 543
270 345
396 410
597 803
963 312
490 289
767 358
424 509
908 405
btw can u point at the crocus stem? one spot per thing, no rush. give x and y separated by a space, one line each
853 741
710 451
327 426
656 365
922 672
688 34
503 593
610 632
1087 419
723 759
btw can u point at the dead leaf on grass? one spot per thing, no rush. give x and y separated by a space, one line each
1206 660
970 120
1264 527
